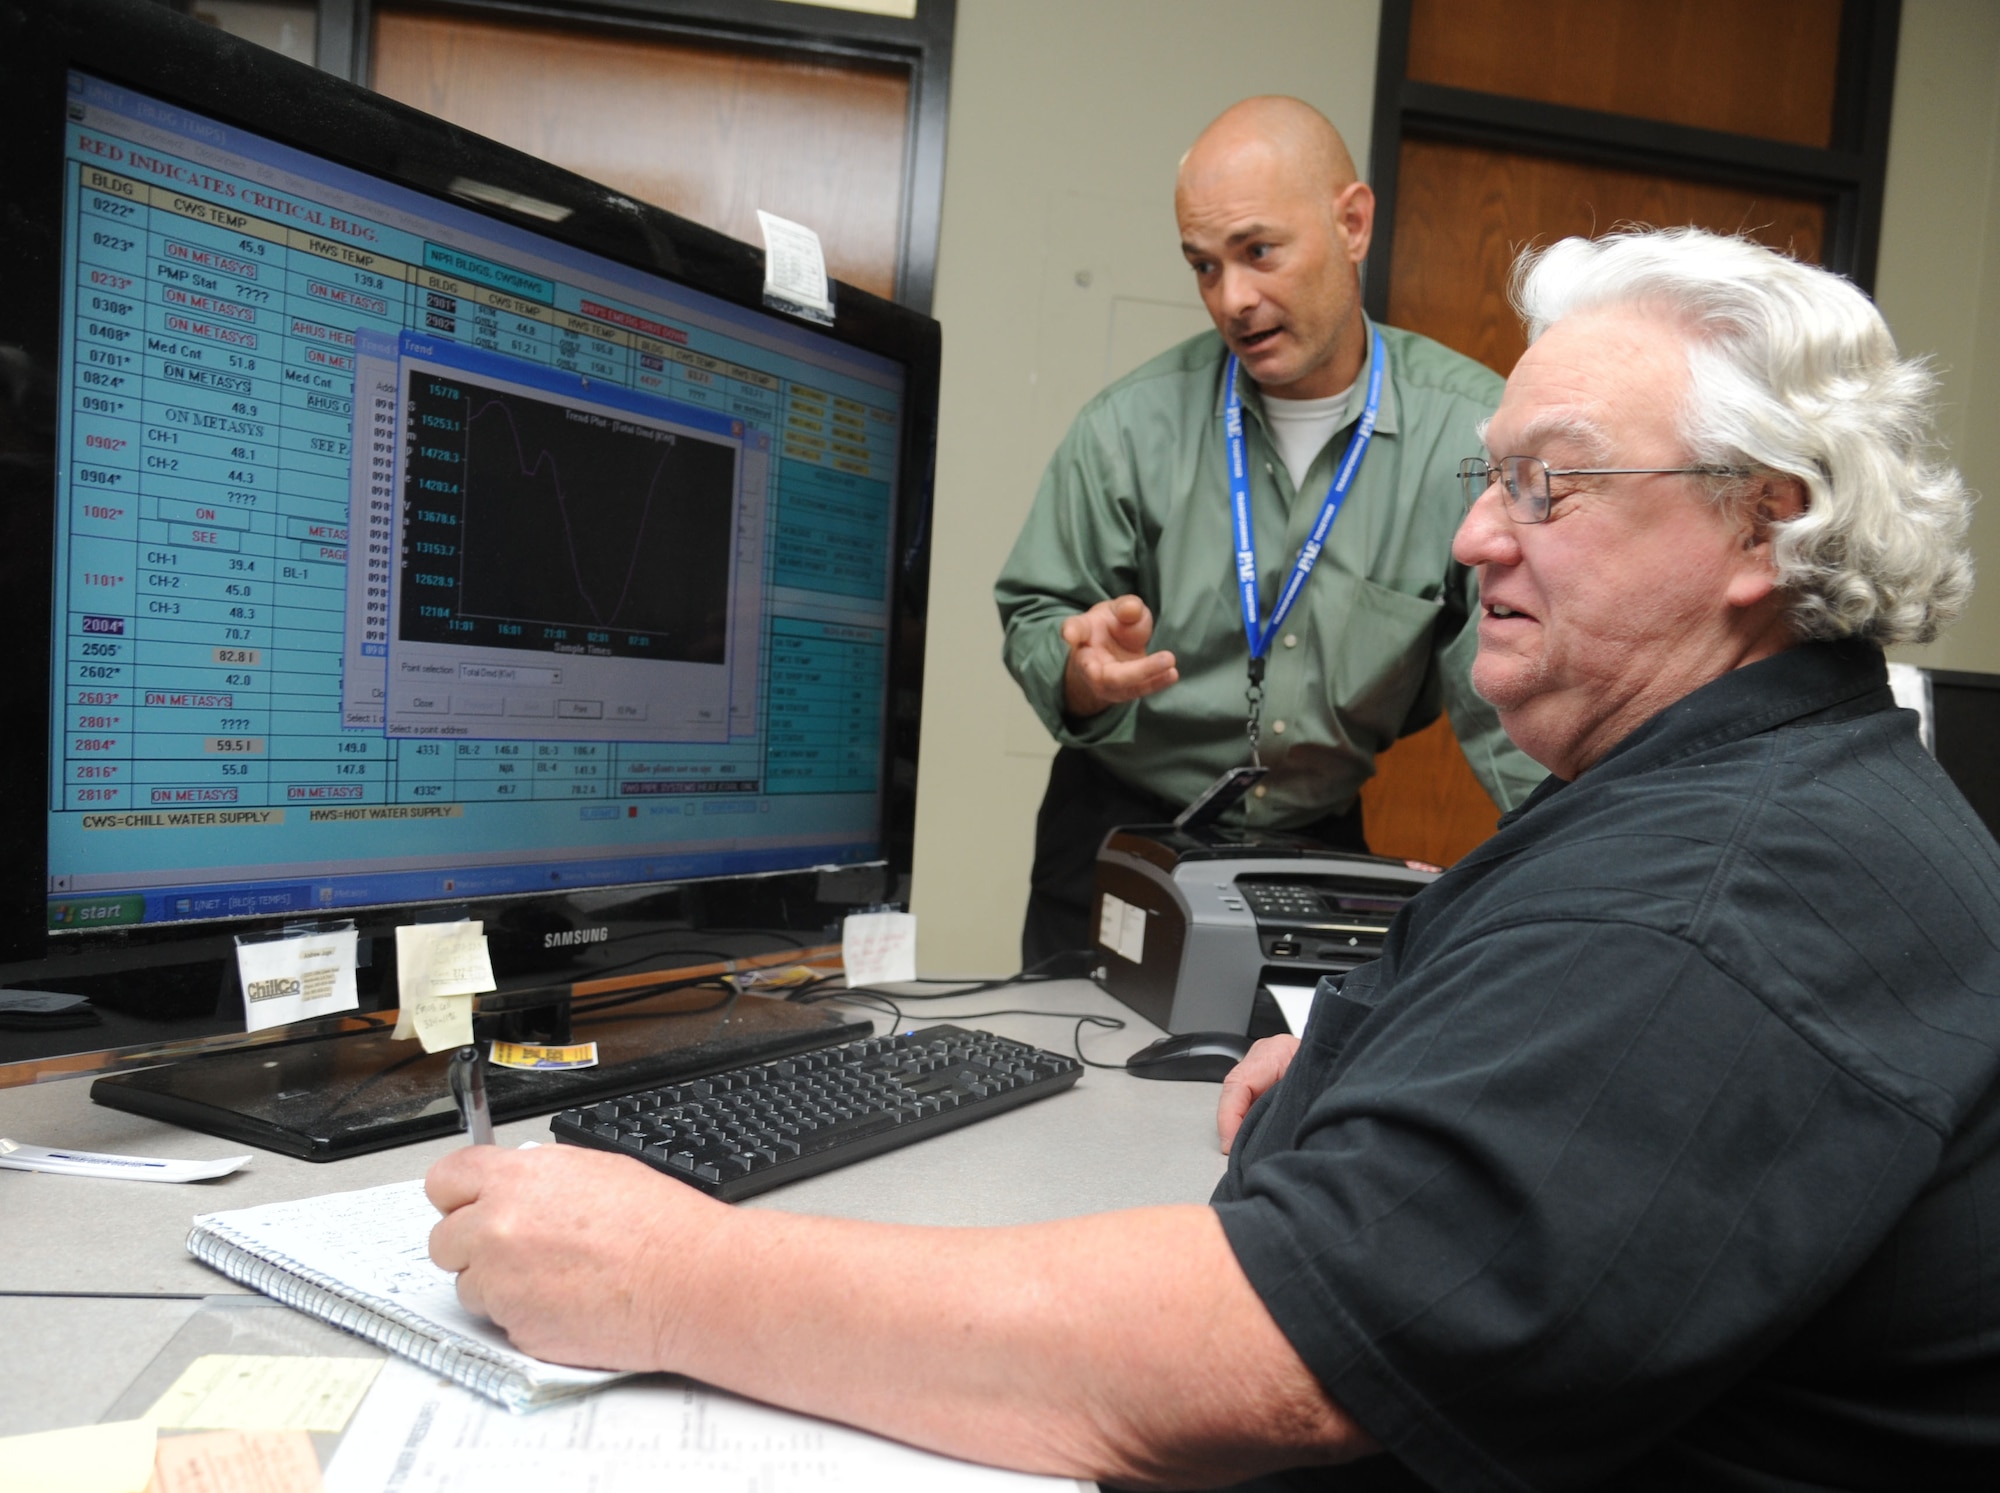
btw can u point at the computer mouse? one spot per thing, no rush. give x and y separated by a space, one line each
1203 1057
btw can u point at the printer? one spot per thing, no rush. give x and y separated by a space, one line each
1192 921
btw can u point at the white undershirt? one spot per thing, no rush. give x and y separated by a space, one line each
1302 427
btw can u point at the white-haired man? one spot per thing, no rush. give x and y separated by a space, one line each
1661 1149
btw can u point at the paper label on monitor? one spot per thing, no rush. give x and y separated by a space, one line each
879 948
294 979
794 268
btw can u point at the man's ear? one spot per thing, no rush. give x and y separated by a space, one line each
1354 213
1777 500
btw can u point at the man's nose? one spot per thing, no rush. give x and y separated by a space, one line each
1486 535
1239 293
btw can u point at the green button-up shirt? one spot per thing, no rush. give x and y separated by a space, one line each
1136 499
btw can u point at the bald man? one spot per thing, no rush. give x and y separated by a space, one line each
1123 620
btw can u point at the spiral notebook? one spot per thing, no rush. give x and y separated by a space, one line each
361 1261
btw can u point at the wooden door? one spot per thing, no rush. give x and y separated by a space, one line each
1505 123
707 130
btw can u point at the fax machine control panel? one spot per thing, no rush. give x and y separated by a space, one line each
1318 919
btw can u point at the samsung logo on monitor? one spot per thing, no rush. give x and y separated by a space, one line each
575 936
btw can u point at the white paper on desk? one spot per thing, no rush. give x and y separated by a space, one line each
115 1457
878 948
21 1157
794 267
431 1436
295 979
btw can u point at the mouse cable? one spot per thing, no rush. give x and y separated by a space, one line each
1082 1020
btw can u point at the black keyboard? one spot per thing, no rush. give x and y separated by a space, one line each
738 1133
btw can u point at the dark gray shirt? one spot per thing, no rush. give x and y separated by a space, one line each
1661 1149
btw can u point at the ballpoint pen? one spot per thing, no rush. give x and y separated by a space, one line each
468 1086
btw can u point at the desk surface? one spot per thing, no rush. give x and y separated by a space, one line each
95 1278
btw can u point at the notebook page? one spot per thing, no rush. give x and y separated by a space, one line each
377 1241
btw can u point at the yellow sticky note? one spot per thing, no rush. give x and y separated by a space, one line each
439 968
265 1392
112 1458
237 1462
442 1022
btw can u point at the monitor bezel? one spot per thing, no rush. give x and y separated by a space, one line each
155 51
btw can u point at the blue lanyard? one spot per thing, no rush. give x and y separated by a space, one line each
1239 502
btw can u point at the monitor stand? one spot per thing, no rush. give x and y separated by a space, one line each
331 1097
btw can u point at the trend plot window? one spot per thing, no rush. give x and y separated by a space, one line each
571 558
536 525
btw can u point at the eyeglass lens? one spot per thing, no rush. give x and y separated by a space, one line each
1523 479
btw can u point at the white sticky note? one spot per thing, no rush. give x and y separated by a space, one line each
794 266
878 948
112 1458
294 979
22 1157
265 1392
439 968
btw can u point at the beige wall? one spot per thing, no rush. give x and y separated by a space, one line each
1939 280
1058 270
1058 267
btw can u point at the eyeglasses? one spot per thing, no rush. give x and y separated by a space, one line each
1525 481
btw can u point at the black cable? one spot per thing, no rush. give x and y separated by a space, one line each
593 1005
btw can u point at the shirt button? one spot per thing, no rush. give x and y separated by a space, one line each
1277 728
1291 640
1260 790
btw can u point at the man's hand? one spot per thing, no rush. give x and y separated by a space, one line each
566 1249
1262 1066
1108 661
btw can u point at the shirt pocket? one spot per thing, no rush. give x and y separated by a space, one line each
1339 1007
1373 647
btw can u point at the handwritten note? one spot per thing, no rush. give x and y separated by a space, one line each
237 1462
439 968
878 948
265 1392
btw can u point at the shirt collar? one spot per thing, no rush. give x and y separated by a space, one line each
1806 679
1357 397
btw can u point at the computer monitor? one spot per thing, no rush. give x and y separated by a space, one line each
398 527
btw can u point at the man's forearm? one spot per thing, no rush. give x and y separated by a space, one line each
1125 1346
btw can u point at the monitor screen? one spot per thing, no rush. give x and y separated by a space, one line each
404 555
395 527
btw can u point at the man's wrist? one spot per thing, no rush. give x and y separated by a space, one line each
1080 701
686 1266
